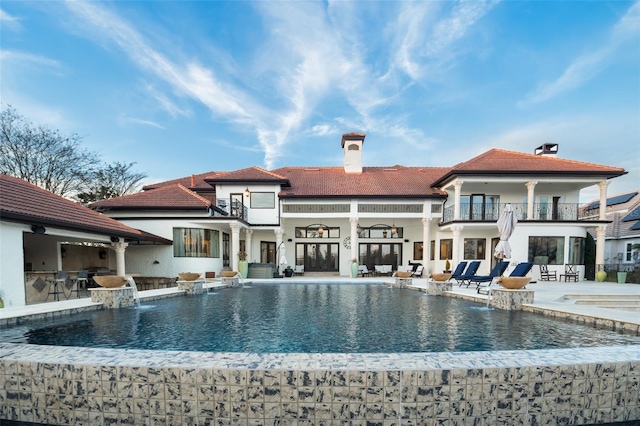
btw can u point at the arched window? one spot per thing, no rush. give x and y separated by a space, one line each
353 147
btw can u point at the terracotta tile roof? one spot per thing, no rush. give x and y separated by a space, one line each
509 162
387 182
250 174
195 181
173 197
23 202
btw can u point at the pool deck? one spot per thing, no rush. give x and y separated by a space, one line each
548 296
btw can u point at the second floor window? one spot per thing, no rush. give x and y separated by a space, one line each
479 207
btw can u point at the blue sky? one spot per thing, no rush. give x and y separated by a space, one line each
190 87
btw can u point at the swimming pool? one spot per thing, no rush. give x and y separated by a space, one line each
315 318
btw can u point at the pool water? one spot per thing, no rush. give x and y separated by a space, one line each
312 318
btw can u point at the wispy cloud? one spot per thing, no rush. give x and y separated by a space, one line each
587 66
30 59
426 38
143 122
10 21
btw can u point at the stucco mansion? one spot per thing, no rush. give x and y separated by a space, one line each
323 217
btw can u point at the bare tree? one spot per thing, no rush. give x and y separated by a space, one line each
57 162
114 180
43 156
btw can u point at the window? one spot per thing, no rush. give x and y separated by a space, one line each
418 249
432 255
372 254
479 207
315 231
474 248
629 251
263 200
446 249
546 250
196 242
381 231
576 250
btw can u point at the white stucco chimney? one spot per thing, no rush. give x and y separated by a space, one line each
352 145
547 150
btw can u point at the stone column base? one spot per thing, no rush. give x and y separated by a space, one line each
190 287
231 282
510 300
113 298
437 288
402 282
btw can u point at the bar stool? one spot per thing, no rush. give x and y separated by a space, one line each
57 285
82 281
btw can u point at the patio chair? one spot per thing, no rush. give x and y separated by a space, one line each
496 272
298 270
570 273
546 275
521 270
81 282
468 274
459 270
418 272
363 271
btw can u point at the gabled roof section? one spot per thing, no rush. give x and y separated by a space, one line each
633 215
503 162
23 202
373 182
195 182
173 197
248 175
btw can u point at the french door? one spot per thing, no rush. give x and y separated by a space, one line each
318 257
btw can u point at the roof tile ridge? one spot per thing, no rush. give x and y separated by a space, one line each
195 195
269 172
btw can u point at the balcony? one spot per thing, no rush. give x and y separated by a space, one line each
231 208
562 212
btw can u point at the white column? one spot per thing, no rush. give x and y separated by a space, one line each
120 247
426 243
530 198
603 199
457 230
601 232
248 234
279 232
457 185
353 221
235 245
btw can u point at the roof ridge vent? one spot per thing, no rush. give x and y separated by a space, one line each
311 169
390 169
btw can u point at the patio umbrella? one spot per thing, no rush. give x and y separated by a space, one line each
283 257
506 224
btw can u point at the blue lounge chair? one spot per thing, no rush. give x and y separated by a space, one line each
459 270
469 273
522 269
496 272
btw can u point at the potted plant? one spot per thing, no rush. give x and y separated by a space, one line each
288 272
243 265
354 268
447 267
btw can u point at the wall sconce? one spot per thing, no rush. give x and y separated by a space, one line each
102 254
155 262
290 239
247 193
38 229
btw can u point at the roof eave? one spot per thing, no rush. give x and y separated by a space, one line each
453 174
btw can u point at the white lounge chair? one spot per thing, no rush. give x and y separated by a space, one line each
298 270
418 272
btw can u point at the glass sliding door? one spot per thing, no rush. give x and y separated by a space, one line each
380 254
318 257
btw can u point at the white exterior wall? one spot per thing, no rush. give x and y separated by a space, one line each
11 264
256 216
140 259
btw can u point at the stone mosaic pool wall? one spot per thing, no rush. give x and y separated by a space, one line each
58 385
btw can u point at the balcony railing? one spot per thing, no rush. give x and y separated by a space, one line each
231 208
562 212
